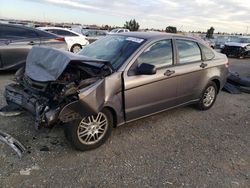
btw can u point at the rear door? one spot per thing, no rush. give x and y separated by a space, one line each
190 68
18 43
147 94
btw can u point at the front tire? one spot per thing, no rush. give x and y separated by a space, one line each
90 132
208 97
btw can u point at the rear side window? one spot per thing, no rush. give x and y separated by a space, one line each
208 54
189 51
8 32
159 54
63 32
44 34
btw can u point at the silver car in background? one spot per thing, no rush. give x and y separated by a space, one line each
117 79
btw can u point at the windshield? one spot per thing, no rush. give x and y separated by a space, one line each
115 49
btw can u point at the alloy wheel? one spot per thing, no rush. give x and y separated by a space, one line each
92 128
209 96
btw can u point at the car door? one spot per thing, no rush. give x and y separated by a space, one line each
190 68
147 94
20 41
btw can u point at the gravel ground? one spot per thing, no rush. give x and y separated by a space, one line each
178 148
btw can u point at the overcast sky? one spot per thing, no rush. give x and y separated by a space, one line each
223 15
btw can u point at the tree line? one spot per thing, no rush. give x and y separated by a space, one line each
133 25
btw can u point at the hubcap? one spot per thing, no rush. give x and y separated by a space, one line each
92 128
76 49
209 96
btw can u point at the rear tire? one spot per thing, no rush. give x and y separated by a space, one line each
208 97
90 132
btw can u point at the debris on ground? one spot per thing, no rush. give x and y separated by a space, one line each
13 143
27 171
44 148
11 110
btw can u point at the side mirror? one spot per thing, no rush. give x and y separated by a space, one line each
146 69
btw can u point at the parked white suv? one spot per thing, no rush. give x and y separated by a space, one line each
74 40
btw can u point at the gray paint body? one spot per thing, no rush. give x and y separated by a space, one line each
138 96
131 97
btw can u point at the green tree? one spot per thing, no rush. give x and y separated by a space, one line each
210 33
132 25
171 29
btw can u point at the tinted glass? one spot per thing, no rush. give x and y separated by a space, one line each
115 49
8 32
63 33
89 33
208 54
189 51
159 54
100 33
45 34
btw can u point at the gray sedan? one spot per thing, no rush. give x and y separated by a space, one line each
16 42
117 79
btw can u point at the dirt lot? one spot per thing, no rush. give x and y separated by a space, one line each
178 148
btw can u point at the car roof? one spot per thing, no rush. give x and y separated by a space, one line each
153 35
17 26
28 28
61 28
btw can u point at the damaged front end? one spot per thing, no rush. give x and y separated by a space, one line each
236 51
58 86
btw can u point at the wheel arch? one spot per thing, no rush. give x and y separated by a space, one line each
114 114
217 82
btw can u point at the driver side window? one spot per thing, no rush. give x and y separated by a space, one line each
159 54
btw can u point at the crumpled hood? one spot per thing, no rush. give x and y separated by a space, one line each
237 44
45 64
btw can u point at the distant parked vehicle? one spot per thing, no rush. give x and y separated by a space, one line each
210 42
93 35
221 40
74 40
239 48
119 30
16 41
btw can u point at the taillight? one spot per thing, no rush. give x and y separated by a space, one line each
60 39
227 63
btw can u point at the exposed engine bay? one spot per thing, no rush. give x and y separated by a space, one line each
46 99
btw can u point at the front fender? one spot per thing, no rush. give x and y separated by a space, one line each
90 102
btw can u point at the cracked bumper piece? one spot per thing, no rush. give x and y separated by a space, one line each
36 105
15 94
13 143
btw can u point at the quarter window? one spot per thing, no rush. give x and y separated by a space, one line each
159 54
189 51
61 32
208 54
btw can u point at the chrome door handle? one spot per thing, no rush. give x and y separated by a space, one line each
203 65
169 72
